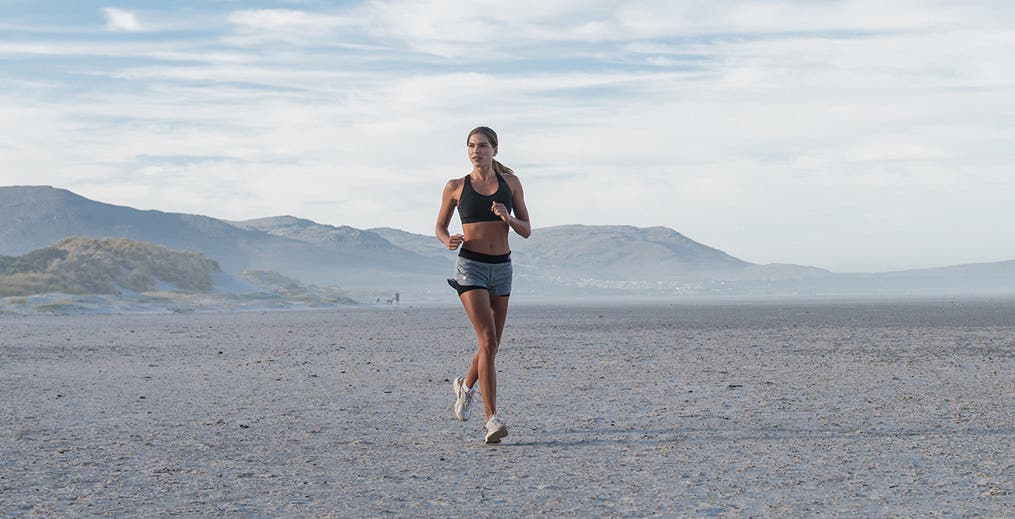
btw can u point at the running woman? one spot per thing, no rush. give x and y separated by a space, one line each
486 199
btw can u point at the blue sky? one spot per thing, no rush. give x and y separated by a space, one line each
849 135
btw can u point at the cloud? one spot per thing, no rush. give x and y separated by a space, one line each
484 29
284 25
481 30
120 20
282 20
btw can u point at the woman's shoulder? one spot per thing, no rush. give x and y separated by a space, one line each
454 186
512 180
455 183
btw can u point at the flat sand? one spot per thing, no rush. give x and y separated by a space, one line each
669 409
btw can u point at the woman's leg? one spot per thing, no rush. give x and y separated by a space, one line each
499 306
480 309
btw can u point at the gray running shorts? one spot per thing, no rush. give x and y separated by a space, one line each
471 274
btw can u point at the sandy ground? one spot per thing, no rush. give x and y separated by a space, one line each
719 409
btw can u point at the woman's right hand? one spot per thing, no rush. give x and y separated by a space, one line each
455 241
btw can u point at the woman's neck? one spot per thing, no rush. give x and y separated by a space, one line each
483 173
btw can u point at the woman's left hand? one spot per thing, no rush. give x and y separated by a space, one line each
500 211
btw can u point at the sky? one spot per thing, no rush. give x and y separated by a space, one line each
856 136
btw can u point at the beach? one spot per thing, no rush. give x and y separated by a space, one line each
718 408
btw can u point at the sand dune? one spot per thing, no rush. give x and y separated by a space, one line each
720 409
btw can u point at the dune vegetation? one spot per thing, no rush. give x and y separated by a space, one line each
294 289
105 266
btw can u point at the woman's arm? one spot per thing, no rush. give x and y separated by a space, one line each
448 204
520 221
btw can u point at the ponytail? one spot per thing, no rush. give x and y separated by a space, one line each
502 169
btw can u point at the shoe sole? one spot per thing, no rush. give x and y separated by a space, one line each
496 436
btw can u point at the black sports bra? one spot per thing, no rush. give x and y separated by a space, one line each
474 207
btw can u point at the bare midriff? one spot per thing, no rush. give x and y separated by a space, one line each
486 237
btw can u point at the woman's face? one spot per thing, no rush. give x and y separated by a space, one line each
481 152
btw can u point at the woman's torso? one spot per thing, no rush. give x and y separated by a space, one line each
484 232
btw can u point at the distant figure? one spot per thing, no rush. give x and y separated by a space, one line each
396 297
485 199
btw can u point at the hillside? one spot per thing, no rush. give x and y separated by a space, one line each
424 245
383 259
615 252
40 215
346 256
294 290
104 266
560 260
622 252
340 237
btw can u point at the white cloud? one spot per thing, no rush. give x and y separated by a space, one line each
285 25
283 20
155 51
479 30
120 20
453 29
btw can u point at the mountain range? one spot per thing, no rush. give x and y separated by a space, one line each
558 260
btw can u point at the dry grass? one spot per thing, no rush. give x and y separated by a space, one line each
104 266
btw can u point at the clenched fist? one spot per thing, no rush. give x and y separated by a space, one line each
500 210
455 241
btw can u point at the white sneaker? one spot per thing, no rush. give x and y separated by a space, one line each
463 399
495 429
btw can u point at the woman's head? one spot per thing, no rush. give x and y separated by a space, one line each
491 136
482 143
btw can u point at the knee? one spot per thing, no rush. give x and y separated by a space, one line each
488 345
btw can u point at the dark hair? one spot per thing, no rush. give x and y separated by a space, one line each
492 137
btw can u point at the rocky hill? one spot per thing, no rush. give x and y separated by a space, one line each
105 266
622 252
307 231
424 245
